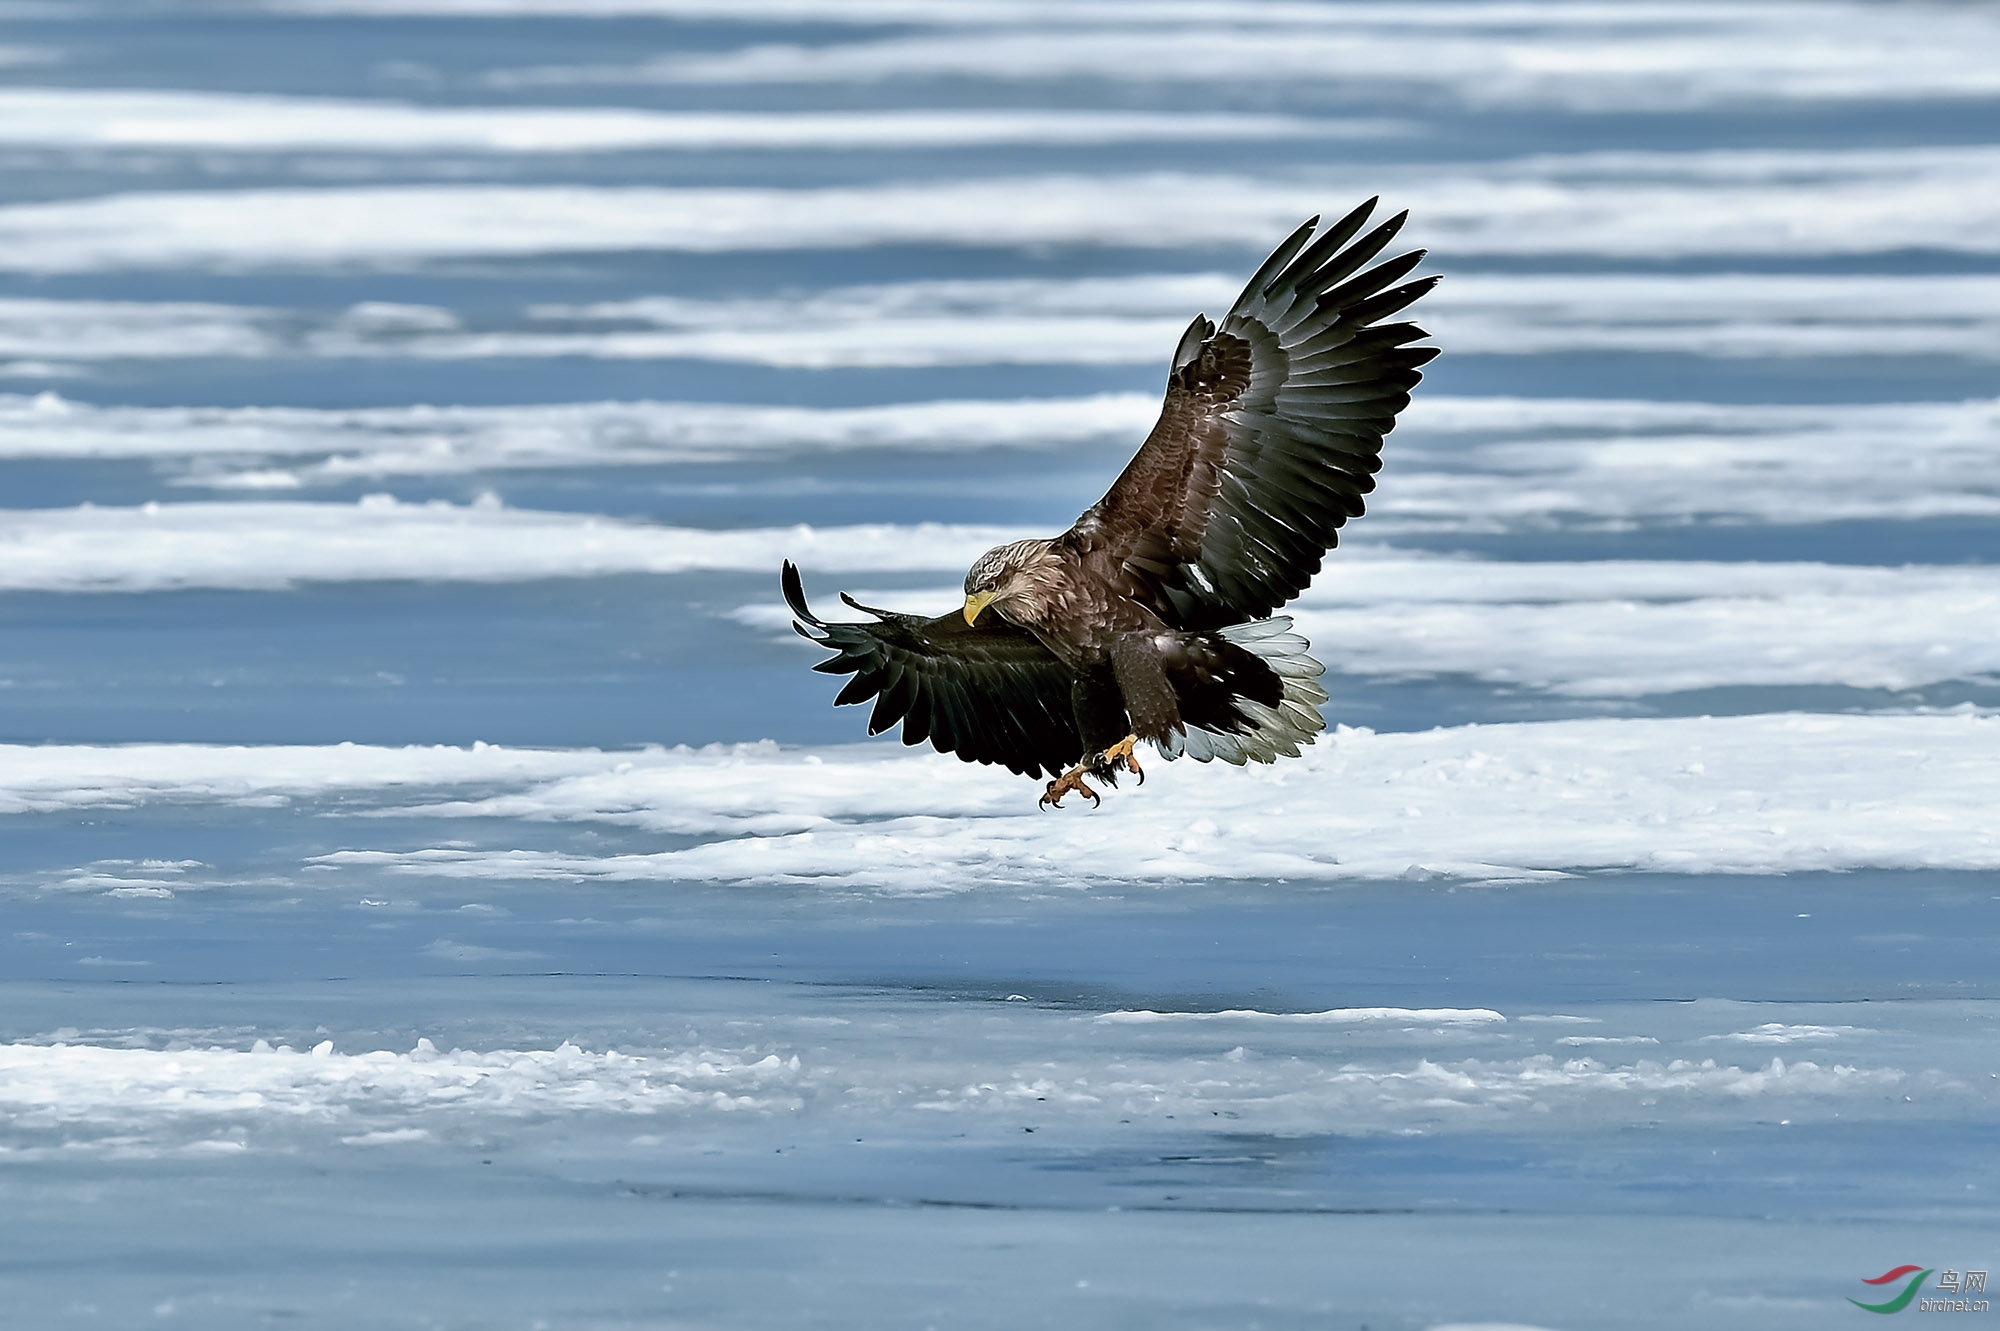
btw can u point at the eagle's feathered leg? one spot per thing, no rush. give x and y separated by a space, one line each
1099 707
1139 662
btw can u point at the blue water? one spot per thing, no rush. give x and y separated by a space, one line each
851 1209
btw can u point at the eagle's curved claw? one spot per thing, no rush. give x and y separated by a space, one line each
1105 764
1068 782
1123 754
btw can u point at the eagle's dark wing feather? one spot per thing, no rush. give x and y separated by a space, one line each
990 694
1271 432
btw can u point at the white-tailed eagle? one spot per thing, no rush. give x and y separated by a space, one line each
1150 619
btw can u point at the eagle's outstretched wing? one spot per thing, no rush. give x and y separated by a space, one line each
1271 431
990 694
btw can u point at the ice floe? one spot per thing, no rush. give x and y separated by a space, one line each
1087 321
1457 464
1778 1032
1129 320
1332 1016
1574 56
131 1097
866 12
1115 320
43 778
114 329
1678 463
1623 629
212 121
258 544
1751 794
1719 314
1650 204
1605 629
65 1096
384 441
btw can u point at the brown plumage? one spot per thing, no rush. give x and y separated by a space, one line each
1149 619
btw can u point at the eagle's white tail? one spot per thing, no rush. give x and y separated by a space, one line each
1274 731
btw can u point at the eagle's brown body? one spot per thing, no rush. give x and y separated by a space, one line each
1147 619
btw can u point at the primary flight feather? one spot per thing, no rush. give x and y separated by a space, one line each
1149 619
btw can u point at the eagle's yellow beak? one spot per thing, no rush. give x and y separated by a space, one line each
974 603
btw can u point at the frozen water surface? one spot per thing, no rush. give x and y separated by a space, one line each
437 893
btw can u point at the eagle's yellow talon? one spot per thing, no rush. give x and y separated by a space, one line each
1122 754
1068 782
1118 755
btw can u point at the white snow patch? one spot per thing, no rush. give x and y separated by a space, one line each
1091 320
388 1137
868 12
251 545
1718 314
1613 628
444 949
1575 56
43 369
1750 794
210 121
119 329
1136 320
1429 1016
1483 464
147 1101
38 778
1094 320
1299 1091
1622 629
1777 1032
240 443
66 1096
1616 464
1739 201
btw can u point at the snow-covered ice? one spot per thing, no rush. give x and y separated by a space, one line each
1576 56
428 372
158 547
1028 321
424 440
65 1099
1754 794
1748 794
1479 464
92 118
1630 204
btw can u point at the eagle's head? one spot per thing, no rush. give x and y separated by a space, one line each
1013 579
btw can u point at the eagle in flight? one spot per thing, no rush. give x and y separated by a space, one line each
1150 619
